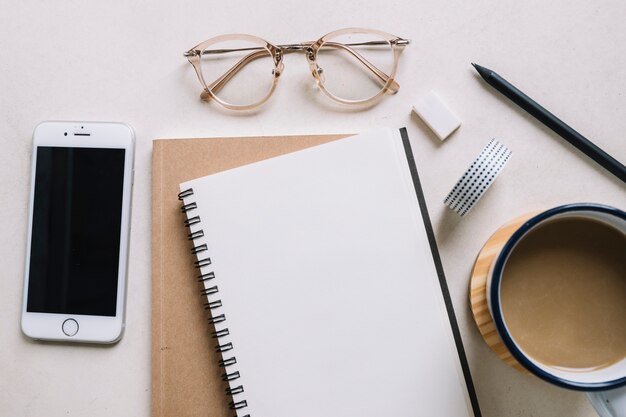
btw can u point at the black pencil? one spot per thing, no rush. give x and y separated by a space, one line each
553 122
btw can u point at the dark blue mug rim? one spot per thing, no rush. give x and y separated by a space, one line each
495 296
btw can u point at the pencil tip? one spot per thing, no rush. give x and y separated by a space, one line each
484 72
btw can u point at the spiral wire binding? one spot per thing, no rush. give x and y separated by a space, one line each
229 375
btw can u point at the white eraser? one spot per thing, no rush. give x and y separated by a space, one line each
436 114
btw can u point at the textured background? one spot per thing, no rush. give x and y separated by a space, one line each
121 60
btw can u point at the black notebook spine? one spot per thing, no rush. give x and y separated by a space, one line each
213 304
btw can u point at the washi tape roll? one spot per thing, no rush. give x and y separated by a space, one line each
478 177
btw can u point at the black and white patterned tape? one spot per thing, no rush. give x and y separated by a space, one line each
478 177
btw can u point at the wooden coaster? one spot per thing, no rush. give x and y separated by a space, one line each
478 290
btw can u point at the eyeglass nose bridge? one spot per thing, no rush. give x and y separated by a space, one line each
278 69
310 53
316 70
278 62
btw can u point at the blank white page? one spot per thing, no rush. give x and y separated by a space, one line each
328 284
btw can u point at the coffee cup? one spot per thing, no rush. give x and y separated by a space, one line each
556 292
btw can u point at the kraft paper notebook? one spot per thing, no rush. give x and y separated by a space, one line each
185 376
326 292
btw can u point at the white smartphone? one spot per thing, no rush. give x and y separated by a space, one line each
78 231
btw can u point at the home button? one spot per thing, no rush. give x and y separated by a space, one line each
70 327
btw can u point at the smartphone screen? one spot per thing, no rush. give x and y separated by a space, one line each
75 242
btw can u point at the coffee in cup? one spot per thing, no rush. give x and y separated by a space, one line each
563 294
556 292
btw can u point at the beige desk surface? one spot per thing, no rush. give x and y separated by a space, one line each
122 60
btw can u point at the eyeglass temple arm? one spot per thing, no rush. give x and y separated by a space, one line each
217 85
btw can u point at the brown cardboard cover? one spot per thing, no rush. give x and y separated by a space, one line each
185 377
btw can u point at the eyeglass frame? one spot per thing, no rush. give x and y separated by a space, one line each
390 85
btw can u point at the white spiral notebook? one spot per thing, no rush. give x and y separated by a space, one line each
325 287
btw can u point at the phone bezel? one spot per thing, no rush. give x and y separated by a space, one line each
95 329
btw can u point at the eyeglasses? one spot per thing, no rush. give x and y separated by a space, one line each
351 66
